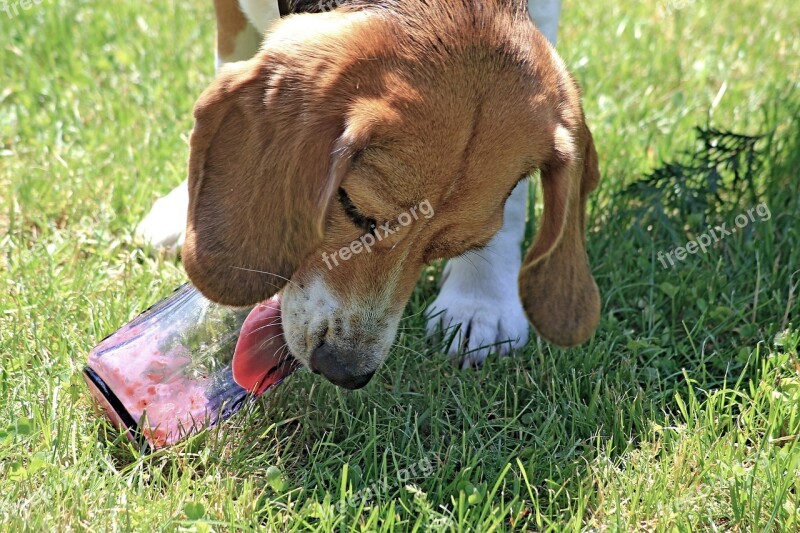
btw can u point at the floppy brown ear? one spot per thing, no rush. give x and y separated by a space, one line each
262 173
556 285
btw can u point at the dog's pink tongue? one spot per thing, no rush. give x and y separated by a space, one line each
261 358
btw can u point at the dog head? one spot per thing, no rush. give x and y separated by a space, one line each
359 145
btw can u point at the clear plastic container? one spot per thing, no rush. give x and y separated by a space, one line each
186 364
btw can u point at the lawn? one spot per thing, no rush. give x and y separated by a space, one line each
681 413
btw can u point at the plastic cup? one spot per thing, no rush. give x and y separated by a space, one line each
186 364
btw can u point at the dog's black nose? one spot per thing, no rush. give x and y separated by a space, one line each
325 361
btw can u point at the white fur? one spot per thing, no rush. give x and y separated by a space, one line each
164 226
261 14
546 14
247 44
479 299
305 314
368 323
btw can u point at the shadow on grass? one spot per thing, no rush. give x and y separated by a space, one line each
529 436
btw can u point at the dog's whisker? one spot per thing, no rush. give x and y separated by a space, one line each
265 327
270 307
256 271
468 257
478 254
262 320
277 310
490 248
285 355
266 342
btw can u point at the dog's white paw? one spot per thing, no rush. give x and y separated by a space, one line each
479 300
482 315
164 226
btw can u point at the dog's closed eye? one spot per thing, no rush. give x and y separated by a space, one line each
363 222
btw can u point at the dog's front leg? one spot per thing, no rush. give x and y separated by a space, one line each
479 295
546 14
238 39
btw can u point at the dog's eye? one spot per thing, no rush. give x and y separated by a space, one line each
362 222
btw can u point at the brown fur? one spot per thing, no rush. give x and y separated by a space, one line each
396 103
230 23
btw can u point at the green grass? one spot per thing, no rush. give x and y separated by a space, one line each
682 413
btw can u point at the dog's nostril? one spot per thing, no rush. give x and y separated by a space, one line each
326 362
318 353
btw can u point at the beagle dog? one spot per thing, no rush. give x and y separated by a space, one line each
320 142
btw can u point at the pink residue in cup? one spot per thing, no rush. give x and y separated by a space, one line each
155 389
